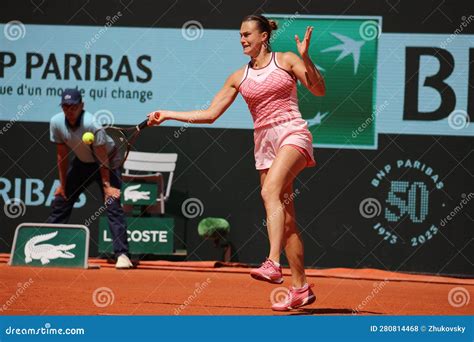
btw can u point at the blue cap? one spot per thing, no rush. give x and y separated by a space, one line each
71 96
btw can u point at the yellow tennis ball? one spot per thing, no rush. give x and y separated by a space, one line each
88 138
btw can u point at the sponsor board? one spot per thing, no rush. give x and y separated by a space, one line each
376 82
50 245
146 235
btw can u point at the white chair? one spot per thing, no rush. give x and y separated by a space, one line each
149 167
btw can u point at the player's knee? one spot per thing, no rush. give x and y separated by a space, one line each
270 193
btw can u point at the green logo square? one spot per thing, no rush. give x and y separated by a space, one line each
345 51
134 193
50 245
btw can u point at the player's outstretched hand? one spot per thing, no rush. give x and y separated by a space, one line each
156 118
303 46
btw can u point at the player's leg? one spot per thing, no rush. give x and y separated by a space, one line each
76 181
293 244
300 294
287 165
263 175
269 270
294 248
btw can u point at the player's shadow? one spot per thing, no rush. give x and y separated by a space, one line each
328 311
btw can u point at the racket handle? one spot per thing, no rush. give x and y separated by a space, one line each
142 124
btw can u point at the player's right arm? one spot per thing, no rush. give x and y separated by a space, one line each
218 106
62 152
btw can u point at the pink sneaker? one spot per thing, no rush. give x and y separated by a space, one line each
268 272
296 298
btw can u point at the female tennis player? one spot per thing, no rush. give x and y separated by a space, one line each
283 143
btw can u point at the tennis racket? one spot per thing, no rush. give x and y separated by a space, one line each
124 138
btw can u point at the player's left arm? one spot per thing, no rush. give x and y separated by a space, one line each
303 68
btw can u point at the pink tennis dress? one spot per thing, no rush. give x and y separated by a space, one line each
270 93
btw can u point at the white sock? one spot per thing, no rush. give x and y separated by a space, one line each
276 263
300 288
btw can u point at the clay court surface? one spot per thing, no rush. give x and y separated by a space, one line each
207 288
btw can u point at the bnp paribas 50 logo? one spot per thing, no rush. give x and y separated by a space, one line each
405 203
345 50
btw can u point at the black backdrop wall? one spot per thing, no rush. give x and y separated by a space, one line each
224 178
